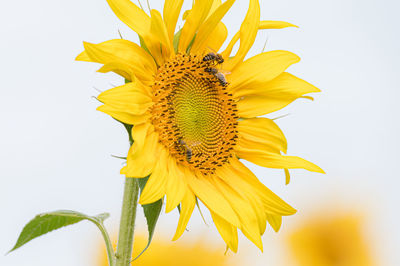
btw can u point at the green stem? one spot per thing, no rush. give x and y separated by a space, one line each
127 224
109 247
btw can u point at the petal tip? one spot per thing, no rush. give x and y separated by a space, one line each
87 44
81 57
291 211
177 235
100 108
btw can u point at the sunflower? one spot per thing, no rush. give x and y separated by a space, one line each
331 238
195 112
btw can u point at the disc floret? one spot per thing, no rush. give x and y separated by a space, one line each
195 116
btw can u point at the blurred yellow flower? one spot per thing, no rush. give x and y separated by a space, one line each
181 253
195 112
335 239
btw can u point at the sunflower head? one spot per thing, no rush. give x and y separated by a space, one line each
195 112
334 238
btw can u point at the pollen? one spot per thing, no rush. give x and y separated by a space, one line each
194 115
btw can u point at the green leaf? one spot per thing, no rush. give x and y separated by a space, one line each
151 212
129 129
177 37
143 44
47 222
175 42
191 44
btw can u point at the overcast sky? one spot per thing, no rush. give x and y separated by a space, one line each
55 148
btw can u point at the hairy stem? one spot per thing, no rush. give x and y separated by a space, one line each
109 247
127 224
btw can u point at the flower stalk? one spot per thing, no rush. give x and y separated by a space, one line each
127 223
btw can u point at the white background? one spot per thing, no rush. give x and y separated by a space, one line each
55 148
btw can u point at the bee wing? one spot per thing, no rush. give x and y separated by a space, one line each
225 72
211 49
196 143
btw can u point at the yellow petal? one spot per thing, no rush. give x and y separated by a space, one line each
122 55
287 176
185 14
127 103
213 199
262 131
139 134
83 56
176 185
243 209
193 21
270 24
220 33
154 189
275 221
248 33
131 15
172 8
159 29
284 85
249 144
228 50
123 116
261 68
253 106
215 5
246 191
227 231
272 202
187 207
265 24
155 186
263 98
126 97
143 136
123 49
122 69
141 162
96 54
274 160
132 108
138 86
207 28
157 40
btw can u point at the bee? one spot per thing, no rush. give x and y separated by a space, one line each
220 76
188 154
211 70
213 57
188 151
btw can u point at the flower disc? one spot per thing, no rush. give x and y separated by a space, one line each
193 113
